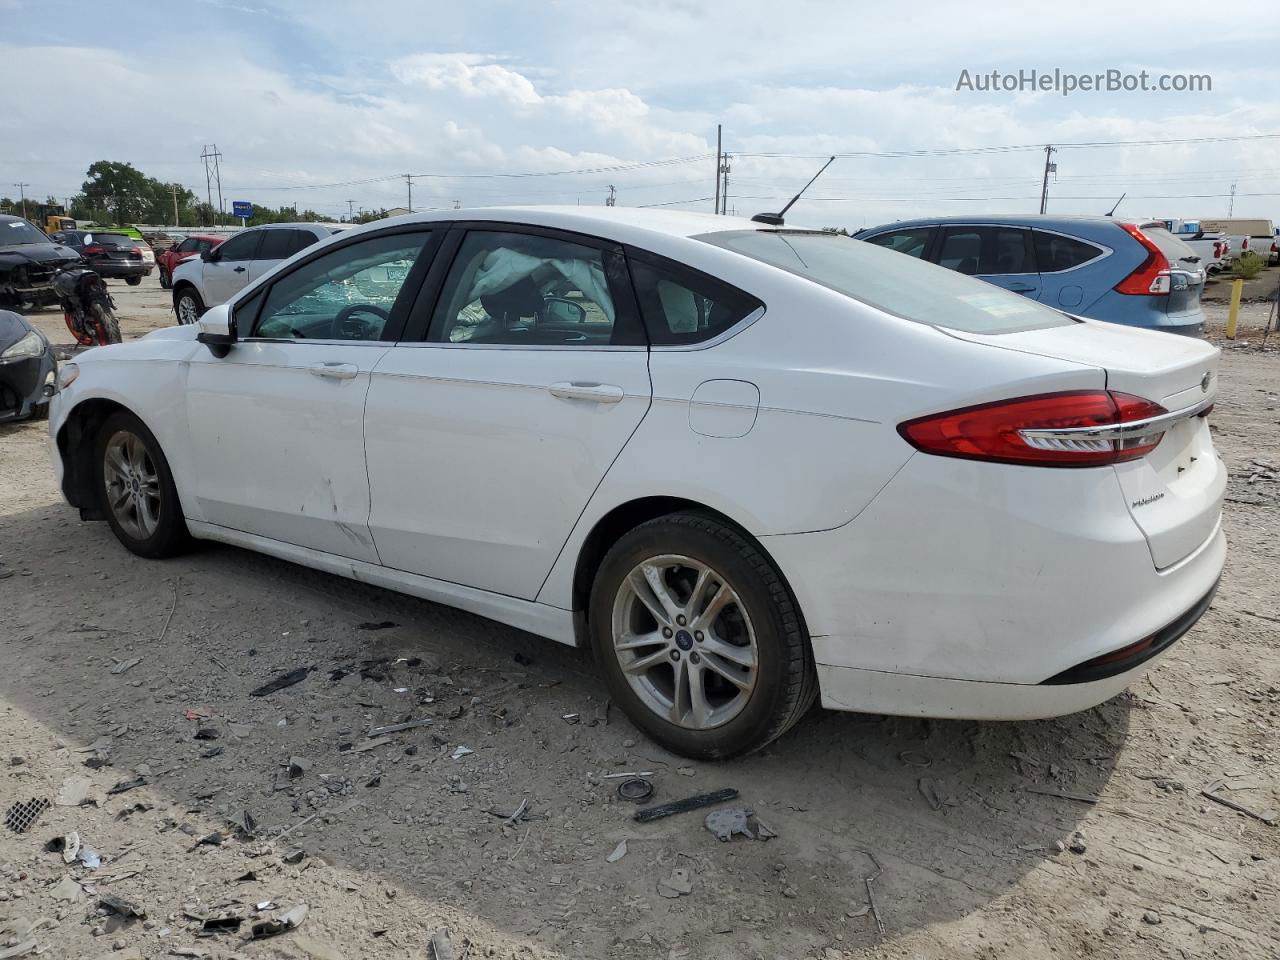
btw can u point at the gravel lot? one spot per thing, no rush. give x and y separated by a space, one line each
118 669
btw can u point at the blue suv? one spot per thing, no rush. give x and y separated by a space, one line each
1138 274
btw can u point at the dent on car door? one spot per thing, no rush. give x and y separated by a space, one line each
998 254
278 423
488 436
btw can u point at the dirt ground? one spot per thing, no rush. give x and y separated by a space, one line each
127 684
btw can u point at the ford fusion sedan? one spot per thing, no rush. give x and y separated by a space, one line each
1134 273
749 465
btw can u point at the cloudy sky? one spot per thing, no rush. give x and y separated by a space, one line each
319 102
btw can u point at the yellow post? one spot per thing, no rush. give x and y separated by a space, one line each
1237 288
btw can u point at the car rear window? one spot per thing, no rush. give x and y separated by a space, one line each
903 286
1174 249
113 240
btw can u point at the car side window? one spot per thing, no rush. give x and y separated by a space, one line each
913 242
346 294
242 246
961 250
682 306
1056 252
986 251
526 290
202 246
300 240
186 246
276 245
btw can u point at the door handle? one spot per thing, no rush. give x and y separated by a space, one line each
1022 289
335 371
239 269
579 390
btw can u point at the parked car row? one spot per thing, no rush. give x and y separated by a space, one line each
112 255
191 246
1133 273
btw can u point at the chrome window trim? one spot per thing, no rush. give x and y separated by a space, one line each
310 340
1120 431
719 338
607 347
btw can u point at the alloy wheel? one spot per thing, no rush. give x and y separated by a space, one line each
684 642
132 485
187 313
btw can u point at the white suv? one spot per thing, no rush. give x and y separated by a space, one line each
219 274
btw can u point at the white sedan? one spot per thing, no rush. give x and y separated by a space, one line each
748 464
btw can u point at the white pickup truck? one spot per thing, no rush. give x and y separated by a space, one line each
1252 234
1213 247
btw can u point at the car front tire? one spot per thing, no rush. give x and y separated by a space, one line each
137 490
699 638
133 281
165 281
189 307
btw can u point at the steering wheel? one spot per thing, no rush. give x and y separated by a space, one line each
343 328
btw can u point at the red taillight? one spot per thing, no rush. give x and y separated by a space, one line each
1244 245
95 249
1217 250
1152 276
1013 431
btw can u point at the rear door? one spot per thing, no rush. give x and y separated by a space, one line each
488 429
1001 255
227 273
1065 269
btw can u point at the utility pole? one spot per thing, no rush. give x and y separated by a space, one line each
1049 168
173 188
408 178
22 187
724 184
612 199
717 207
1231 205
351 211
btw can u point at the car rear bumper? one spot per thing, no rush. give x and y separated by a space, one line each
969 573
116 269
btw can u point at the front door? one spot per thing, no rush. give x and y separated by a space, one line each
282 414
486 439
227 273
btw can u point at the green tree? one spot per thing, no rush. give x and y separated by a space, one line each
119 190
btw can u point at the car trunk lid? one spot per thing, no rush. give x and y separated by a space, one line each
1174 493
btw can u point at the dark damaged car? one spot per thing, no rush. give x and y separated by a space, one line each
28 370
28 261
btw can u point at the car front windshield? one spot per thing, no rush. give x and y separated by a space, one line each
19 231
900 285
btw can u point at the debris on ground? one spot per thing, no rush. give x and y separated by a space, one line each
23 814
123 666
1268 816
74 792
1063 794
679 884
460 752
399 727
914 758
280 682
121 906
442 945
685 805
635 789
726 824
378 625
274 926
619 852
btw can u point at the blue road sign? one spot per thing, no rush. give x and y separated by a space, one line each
241 208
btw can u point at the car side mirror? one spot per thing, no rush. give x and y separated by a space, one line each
208 255
217 330
564 311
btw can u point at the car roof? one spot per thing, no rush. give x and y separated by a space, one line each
1008 219
621 223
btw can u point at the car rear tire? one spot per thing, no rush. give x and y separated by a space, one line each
166 282
133 281
699 638
137 490
189 307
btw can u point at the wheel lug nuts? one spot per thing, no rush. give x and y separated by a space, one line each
680 620
675 654
697 635
666 632
694 658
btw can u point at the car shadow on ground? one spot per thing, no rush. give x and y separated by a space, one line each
945 814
